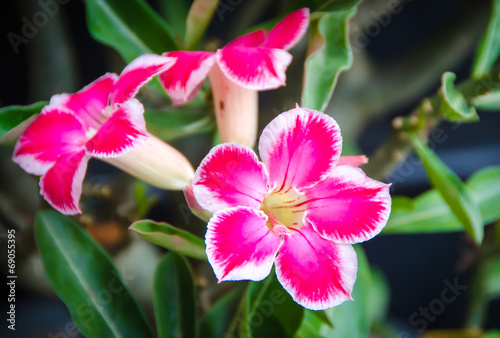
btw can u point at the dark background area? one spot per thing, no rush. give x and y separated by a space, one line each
416 266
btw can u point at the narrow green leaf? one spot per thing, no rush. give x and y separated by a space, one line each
86 280
336 5
379 296
175 13
402 203
312 326
489 46
271 311
171 238
487 102
323 317
143 202
173 298
452 189
492 271
329 54
12 116
352 318
431 214
200 14
492 334
217 321
172 125
454 106
131 27
485 191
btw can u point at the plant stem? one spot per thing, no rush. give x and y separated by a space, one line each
422 121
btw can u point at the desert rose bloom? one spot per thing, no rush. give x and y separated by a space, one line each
253 62
298 209
102 120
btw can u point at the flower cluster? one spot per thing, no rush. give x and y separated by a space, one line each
253 62
102 120
301 208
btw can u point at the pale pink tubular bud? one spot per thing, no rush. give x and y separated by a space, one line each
195 207
355 161
236 109
157 163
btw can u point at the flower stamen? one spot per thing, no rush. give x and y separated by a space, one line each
285 208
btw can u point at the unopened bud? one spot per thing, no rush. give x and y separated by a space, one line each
157 163
236 109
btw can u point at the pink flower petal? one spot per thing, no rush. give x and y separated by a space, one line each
289 31
354 161
89 103
194 206
299 147
254 68
239 244
184 79
123 131
348 206
230 176
317 273
62 184
54 132
253 39
136 74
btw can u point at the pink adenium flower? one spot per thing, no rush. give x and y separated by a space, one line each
253 62
301 208
102 120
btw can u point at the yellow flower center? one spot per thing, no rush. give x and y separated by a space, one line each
284 207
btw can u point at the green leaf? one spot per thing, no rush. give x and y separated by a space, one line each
336 5
199 16
431 214
217 321
171 125
175 13
323 317
492 334
142 201
452 189
402 203
379 296
353 318
487 102
173 298
12 116
312 326
171 238
489 46
454 106
86 280
131 27
271 311
492 279
329 54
